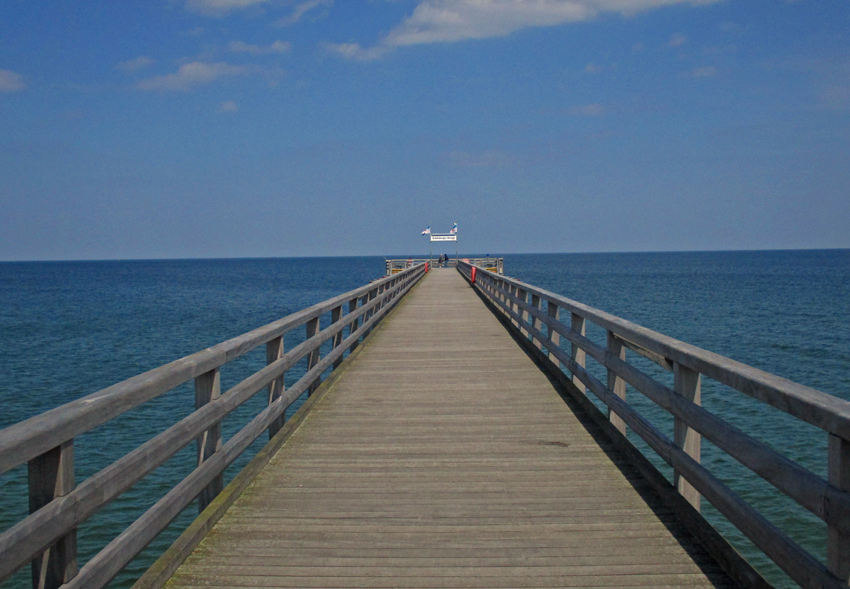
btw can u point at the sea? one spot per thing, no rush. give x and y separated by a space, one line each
68 329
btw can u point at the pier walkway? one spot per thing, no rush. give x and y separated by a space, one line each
444 457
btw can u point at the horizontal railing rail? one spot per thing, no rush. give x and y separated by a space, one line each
47 537
523 305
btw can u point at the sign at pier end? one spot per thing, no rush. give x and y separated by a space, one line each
452 237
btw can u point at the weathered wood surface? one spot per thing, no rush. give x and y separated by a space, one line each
443 457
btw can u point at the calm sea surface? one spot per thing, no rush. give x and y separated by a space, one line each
70 328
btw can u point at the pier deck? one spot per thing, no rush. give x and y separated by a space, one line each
443 457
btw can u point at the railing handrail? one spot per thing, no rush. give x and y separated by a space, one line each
58 514
32 437
829 500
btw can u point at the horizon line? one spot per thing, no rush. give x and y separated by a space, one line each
696 251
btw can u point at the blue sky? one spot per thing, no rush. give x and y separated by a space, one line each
240 128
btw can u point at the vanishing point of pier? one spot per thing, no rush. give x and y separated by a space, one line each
448 441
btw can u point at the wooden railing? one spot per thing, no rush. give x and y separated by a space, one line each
47 538
402 264
496 265
528 309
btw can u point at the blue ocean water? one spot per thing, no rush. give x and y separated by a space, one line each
70 328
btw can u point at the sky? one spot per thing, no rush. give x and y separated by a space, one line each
278 128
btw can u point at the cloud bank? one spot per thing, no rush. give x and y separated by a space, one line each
450 21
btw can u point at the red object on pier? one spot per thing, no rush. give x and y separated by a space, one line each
473 274
426 267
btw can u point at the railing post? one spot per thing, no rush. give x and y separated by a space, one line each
381 290
686 382
514 290
336 315
51 475
523 296
274 351
837 541
616 384
352 327
553 336
371 296
577 324
207 390
535 322
313 358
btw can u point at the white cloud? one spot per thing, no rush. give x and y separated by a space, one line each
677 40
192 74
276 47
220 7
588 110
11 81
592 68
301 10
228 106
132 65
448 21
355 52
704 72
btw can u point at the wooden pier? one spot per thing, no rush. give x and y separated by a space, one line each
443 457
448 440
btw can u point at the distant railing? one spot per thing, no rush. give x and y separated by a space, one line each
395 266
827 499
496 265
47 538
400 265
